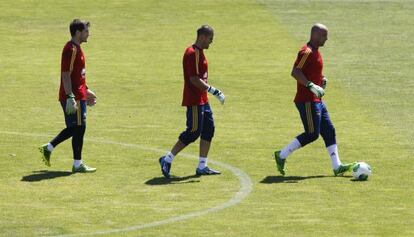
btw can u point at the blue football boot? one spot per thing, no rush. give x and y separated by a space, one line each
165 167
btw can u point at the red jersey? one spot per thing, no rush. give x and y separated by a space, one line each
309 61
73 61
194 65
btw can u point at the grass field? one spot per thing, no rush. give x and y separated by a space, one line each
133 61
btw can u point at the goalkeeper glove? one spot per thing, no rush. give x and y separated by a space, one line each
324 82
317 90
71 105
217 93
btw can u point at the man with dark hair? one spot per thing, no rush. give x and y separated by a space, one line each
205 30
199 115
74 95
307 71
77 25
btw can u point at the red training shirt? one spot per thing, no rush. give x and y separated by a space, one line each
194 65
73 61
309 61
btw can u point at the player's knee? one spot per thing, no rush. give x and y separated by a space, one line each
313 136
208 134
80 129
189 137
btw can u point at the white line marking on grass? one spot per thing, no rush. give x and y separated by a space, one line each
244 191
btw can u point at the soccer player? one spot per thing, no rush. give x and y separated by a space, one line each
199 115
74 95
307 71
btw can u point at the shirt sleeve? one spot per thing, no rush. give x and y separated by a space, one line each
68 59
191 60
301 60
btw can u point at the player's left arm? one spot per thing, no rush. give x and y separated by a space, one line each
324 82
90 97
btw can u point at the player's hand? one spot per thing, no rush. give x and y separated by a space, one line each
317 90
217 93
71 105
324 82
90 98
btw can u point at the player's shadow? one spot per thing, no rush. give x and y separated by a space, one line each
289 179
44 174
173 180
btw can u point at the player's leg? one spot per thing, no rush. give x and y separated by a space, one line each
46 149
207 134
192 132
311 117
329 136
77 140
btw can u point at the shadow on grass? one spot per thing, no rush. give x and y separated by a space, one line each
290 179
173 180
44 174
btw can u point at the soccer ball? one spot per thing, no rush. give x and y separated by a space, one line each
361 171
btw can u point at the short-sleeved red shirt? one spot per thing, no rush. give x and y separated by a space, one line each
73 61
309 60
194 65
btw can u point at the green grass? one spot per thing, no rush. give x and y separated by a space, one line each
133 60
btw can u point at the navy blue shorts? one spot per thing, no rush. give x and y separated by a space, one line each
78 118
316 121
199 122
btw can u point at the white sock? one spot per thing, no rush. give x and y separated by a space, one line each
291 147
77 163
202 162
169 157
333 153
50 147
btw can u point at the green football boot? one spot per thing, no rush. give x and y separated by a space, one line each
280 163
343 168
82 168
45 154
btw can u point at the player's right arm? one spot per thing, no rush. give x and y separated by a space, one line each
68 59
300 77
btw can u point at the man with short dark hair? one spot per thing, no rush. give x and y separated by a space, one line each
307 71
74 95
199 115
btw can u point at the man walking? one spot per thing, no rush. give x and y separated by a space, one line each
199 115
307 71
74 95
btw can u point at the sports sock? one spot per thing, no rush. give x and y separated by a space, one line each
77 163
291 147
333 153
50 147
169 157
202 162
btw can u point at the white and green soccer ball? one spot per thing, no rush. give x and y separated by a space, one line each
361 171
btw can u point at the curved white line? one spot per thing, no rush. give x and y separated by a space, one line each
244 191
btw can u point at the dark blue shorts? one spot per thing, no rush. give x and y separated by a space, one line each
78 118
199 122
316 121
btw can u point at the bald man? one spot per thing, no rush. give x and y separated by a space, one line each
307 71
